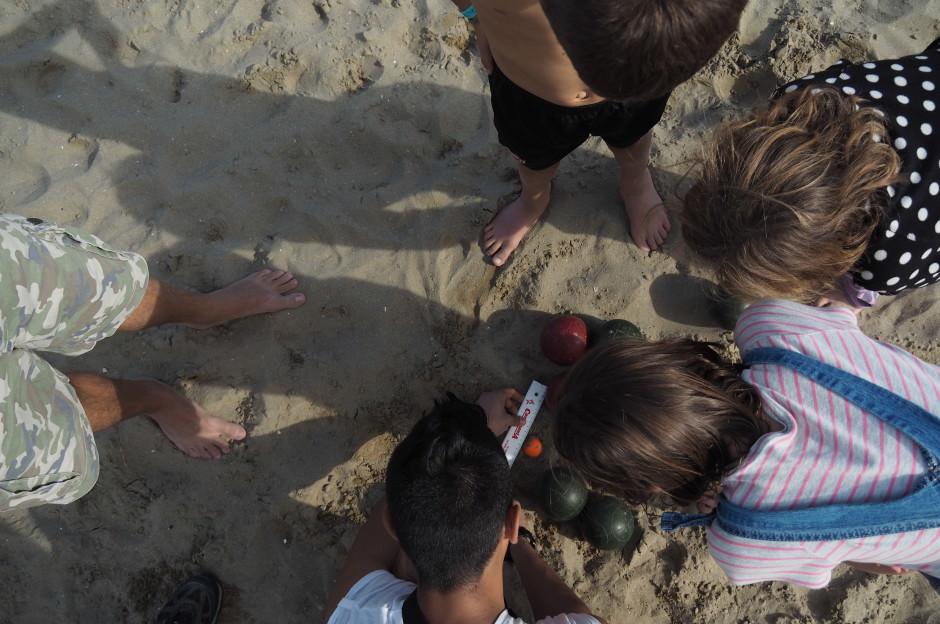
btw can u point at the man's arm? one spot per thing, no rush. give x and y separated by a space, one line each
374 549
547 593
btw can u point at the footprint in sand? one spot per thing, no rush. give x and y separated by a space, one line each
82 152
23 182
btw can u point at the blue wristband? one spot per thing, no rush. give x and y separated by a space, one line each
470 12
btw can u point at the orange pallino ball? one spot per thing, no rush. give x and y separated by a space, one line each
533 447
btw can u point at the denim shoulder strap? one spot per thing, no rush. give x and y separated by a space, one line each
919 510
889 407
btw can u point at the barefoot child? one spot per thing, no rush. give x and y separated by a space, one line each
62 291
836 180
814 469
543 110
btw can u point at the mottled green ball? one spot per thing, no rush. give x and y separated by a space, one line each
563 494
607 522
617 328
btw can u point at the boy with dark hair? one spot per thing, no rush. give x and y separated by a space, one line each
604 39
447 524
628 56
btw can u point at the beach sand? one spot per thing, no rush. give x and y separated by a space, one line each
350 142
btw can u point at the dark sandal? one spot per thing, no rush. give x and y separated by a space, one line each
197 601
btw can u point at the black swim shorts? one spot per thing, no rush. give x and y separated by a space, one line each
540 133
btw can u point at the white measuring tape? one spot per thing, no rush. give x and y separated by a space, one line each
528 410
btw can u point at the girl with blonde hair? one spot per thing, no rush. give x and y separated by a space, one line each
833 184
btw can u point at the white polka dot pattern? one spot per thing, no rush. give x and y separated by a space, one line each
903 251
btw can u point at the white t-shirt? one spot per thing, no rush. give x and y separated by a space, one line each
378 596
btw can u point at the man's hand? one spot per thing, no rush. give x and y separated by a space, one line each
501 407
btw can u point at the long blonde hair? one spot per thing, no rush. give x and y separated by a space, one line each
787 200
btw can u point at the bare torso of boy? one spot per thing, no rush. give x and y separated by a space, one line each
517 35
528 53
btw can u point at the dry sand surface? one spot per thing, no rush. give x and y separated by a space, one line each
349 141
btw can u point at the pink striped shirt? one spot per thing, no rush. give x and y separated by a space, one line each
830 451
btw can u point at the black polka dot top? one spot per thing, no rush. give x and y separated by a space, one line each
904 251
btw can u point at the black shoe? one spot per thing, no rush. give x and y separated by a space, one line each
197 601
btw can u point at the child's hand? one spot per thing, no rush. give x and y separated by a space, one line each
500 407
709 500
836 298
877 568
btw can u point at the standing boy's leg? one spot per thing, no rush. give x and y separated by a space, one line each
506 230
649 223
538 135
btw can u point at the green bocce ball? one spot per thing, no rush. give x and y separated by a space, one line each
607 522
563 494
617 328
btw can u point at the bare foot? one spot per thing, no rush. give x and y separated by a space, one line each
192 429
268 290
503 234
649 223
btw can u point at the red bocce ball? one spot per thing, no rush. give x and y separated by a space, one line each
564 339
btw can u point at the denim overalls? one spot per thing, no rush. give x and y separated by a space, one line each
918 510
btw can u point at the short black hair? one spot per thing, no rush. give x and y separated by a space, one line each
448 490
641 49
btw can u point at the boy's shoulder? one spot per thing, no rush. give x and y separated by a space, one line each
376 598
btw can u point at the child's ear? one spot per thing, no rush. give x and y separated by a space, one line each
387 523
513 522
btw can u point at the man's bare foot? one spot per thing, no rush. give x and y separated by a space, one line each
502 235
268 290
192 429
649 223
